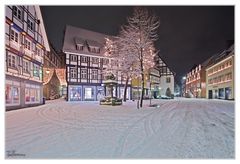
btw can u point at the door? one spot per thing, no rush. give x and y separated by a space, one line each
210 94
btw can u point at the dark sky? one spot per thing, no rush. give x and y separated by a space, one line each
188 35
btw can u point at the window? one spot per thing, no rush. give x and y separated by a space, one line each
27 44
93 50
39 51
25 66
88 93
79 47
32 94
17 12
168 79
105 61
98 50
12 93
94 74
12 61
14 36
95 60
75 93
30 24
73 73
36 70
83 74
73 58
84 59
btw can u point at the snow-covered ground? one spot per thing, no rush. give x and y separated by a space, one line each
179 128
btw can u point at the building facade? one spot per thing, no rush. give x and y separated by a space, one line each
156 82
196 80
26 44
53 86
220 76
166 76
85 63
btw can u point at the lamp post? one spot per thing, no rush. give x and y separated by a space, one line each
183 85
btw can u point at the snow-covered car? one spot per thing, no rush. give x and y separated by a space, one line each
111 101
165 97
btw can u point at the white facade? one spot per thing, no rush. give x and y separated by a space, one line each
166 82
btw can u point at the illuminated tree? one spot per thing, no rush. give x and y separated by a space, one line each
137 40
133 49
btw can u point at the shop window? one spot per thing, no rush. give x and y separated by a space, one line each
75 93
89 93
27 95
32 94
12 94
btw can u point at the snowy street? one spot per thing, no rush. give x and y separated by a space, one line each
179 128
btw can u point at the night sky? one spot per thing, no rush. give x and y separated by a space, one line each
188 35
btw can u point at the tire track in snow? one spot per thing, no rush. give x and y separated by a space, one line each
123 139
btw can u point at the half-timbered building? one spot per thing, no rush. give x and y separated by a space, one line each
26 43
85 62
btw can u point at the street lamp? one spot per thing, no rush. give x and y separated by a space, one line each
183 85
47 71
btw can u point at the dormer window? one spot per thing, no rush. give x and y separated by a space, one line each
98 50
79 47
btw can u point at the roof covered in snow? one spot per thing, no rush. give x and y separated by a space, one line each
75 35
221 56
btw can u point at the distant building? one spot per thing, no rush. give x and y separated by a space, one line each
26 44
220 76
54 86
166 77
151 85
85 63
196 80
156 82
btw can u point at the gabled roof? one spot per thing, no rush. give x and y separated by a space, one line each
79 40
42 27
75 35
93 43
